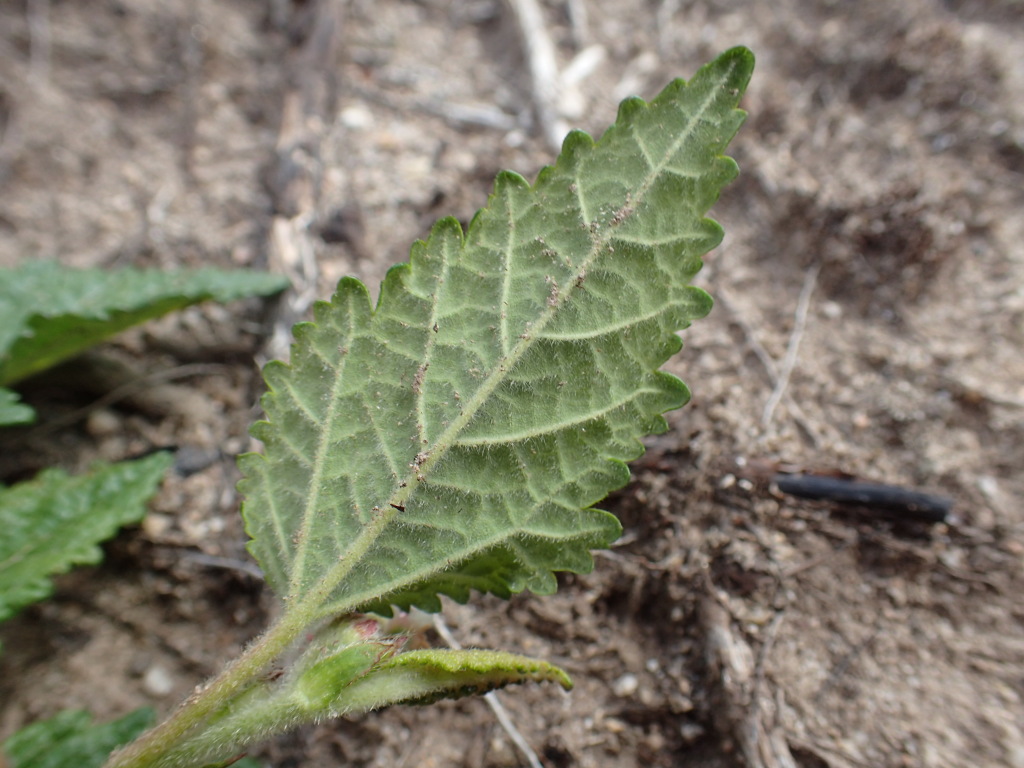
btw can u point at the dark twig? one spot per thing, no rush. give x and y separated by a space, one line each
908 504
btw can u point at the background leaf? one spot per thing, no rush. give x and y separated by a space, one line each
71 740
49 312
455 437
12 411
55 521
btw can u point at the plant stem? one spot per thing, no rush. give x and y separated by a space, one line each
150 749
265 719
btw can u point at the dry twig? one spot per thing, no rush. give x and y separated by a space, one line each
789 361
767 362
296 183
143 391
40 43
227 563
578 18
455 114
748 715
544 77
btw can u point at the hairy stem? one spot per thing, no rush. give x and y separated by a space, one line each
151 750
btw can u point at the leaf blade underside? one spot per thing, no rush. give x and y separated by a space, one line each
455 437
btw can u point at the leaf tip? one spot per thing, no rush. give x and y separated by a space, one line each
575 142
738 64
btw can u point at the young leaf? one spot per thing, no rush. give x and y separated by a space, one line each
71 740
365 671
356 668
49 312
456 436
423 677
55 521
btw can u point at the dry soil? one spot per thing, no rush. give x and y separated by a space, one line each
882 181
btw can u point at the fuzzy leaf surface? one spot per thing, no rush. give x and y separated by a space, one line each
71 740
49 312
426 676
57 520
455 437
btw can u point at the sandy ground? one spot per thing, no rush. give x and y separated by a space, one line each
883 184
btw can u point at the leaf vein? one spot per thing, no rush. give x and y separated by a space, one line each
557 426
320 461
603 330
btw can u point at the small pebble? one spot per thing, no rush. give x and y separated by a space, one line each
155 525
626 685
691 732
103 422
614 725
356 118
157 681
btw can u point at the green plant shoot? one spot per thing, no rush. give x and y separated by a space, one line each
455 436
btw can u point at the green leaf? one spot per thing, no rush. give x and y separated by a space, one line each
71 740
55 521
11 411
455 437
423 677
49 312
